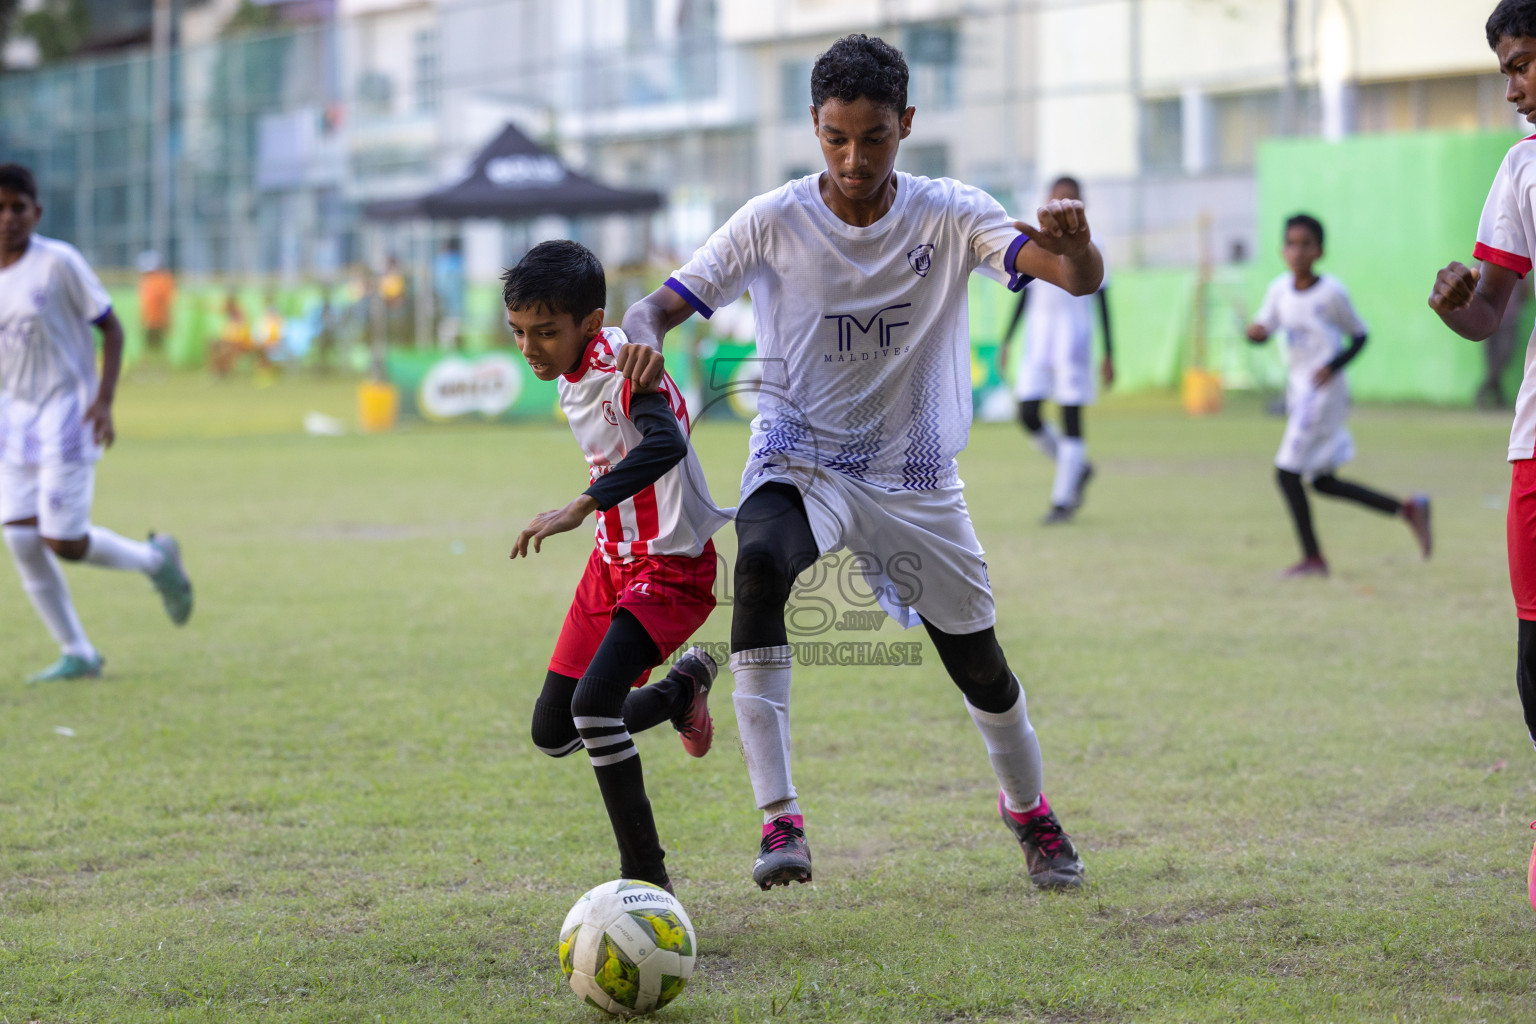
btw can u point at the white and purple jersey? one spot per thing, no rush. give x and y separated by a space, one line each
863 333
674 515
49 300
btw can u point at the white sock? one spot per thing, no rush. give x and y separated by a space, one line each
779 808
1047 440
114 551
1015 753
762 716
1071 455
44 583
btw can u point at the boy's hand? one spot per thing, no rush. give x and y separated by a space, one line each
1454 288
1323 375
1107 373
99 416
1256 332
1063 228
641 365
547 524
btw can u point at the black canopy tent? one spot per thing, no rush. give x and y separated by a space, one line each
513 178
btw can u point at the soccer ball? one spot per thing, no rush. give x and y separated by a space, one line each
627 947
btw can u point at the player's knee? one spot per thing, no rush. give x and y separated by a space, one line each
761 575
1029 415
554 729
1287 480
598 698
69 550
1325 484
1072 421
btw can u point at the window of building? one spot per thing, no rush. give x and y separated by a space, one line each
1460 103
1163 136
933 63
427 80
929 161
794 89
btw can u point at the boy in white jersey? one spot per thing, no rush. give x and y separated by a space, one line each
1316 314
55 419
649 582
1058 365
1472 303
858 278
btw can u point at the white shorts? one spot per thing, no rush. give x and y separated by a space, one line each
1316 440
58 495
1058 366
916 550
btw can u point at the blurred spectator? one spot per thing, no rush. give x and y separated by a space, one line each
448 287
392 290
157 291
236 340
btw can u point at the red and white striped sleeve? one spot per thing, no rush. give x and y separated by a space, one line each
1503 233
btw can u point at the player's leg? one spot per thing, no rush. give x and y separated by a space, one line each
1525 674
774 544
995 700
1414 510
597 708
41 575
1520 536
67 493
1041 434
1072 469
1295 494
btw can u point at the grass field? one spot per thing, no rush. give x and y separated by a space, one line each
318 802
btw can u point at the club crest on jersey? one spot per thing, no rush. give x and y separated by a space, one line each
608 413
39 297
921 259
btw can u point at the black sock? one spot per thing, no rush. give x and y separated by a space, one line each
1525 674
1335 488
1301 512
657 702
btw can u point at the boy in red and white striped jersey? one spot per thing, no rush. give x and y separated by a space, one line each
649 583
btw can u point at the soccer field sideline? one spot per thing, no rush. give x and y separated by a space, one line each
1296 801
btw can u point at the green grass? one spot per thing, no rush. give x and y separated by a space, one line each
318 802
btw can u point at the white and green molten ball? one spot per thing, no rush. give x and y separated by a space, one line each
627 947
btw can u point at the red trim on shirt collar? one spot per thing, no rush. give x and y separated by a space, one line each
591 359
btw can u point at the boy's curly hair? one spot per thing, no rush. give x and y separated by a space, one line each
1512 18
861 66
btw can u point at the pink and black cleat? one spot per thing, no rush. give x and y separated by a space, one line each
784 856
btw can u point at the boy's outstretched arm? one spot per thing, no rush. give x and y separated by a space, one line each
99 414
1062 250
1472 301
646 322
662 446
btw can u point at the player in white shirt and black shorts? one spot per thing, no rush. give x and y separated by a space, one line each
1316 315
1058 366
55 421
1472 303
858 278
649 581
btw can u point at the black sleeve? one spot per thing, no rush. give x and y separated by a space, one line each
1109 344
1342 360
1018 314
662 446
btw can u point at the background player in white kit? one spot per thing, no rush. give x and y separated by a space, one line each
1058 365
858 278
649 582
1316 315
55 419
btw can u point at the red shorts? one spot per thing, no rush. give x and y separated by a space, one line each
1522 537
671 595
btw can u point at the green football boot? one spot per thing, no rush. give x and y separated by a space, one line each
69 666
171 579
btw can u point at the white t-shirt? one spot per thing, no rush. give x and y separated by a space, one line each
49 300
1315 322
1054 316
674 515
862 333
1505 237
